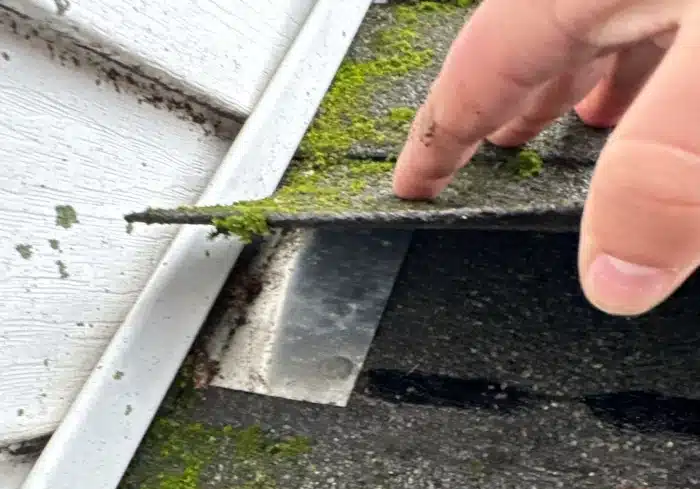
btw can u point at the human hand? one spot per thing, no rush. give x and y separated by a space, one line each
517 65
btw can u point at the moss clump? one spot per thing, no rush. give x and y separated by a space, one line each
402 114
25 250
62 269
54 244
526 163
66 216
344 118
249 222
177 455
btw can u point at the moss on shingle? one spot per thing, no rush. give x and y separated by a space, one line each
347 156
325 178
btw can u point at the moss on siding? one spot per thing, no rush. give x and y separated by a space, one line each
66 216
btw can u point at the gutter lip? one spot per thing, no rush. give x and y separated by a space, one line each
104 426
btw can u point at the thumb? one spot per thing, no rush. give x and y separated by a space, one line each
640 232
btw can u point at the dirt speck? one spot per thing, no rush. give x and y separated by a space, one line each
128 410
427 132
62 6
5 56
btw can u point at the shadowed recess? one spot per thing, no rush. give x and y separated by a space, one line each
638 410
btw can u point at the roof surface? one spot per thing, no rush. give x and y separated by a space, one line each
347 156
489 370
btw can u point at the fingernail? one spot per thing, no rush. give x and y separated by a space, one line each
620 287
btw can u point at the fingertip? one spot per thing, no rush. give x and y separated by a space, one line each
621 288
510 138
596 117
429 159
598 109
409 185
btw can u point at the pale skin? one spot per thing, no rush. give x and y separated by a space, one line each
629 64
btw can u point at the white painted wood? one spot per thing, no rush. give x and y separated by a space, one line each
103 428
14 469
223 50
65 140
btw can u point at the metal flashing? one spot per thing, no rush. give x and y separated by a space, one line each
307 333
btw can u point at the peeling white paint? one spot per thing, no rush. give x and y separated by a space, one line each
222 50
67 140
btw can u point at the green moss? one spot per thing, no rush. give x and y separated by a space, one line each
182 394
54 244
344 161
291 447
402 114
433 7
25 251
247 224
476 466
66 216
526 163
177 455
62 269
118 375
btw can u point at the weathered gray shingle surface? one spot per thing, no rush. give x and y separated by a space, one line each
489 370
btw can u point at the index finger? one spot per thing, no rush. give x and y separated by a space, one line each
506 50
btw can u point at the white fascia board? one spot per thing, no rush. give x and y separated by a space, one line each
99 435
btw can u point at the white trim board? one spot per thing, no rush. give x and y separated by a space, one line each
223 51
14 469
71 136
105 424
